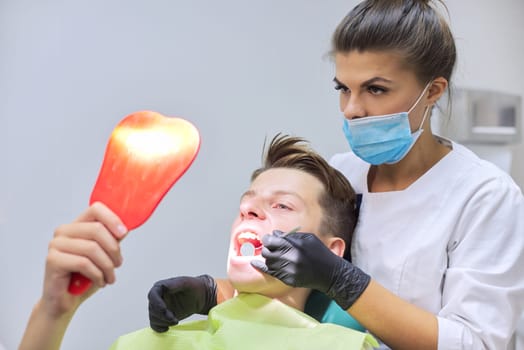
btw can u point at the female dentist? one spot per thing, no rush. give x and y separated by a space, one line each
437 256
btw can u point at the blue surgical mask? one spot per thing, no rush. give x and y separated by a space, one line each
384 139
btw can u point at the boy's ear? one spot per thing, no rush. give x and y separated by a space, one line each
336 245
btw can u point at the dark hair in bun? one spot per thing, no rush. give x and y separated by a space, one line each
413 28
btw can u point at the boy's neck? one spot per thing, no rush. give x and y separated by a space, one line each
296 298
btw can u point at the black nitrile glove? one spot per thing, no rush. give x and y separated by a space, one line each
302 260
173 299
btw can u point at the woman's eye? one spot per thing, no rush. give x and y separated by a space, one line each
281 206
343 89
376 90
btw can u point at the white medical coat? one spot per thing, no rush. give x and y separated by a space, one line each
451 243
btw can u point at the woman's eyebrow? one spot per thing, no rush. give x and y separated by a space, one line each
338 82
367 82
376 80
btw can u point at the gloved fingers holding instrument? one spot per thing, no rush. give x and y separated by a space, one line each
303 260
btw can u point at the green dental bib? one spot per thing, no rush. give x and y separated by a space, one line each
249 321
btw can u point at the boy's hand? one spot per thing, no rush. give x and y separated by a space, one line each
90 246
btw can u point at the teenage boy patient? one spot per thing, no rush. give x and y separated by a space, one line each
294 190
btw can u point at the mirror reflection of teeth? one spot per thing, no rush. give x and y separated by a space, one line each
248 244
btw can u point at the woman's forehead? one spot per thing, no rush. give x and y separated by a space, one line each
365 65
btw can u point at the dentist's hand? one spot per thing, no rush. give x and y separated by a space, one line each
302 260
173 299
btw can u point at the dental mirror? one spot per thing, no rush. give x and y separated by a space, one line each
247 249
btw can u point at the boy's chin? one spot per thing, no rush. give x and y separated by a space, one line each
258 283
246 278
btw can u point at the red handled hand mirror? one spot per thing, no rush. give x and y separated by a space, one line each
146 154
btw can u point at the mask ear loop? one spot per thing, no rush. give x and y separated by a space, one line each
424 117
420 97
416 103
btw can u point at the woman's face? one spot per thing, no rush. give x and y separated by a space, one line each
377 83
278 199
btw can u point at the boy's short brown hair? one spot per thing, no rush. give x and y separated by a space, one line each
338 201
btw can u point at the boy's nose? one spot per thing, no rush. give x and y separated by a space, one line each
250 210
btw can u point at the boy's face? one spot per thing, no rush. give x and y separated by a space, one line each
278 199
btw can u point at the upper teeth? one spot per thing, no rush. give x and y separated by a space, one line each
247 235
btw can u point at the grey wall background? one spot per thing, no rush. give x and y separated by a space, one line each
240 71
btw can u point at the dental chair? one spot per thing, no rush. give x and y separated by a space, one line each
323 309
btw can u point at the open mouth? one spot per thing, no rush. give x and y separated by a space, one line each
248 244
